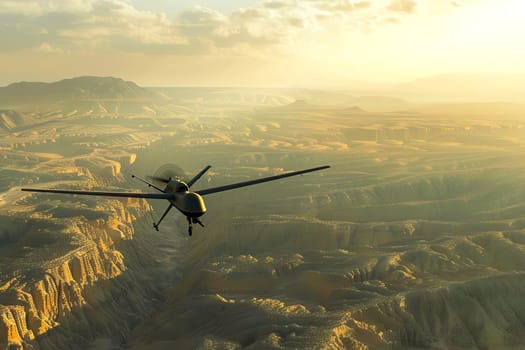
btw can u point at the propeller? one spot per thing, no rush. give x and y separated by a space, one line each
168 172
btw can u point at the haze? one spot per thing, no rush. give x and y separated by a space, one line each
259 43
414 238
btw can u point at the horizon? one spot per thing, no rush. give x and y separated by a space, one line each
272 43
368 84
414 238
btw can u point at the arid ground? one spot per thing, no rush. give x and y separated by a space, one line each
415 238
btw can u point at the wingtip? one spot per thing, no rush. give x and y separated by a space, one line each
25 189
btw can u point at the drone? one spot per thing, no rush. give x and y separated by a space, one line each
170 185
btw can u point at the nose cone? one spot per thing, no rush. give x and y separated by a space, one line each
193 205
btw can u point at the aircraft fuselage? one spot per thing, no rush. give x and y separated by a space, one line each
178 193
188 203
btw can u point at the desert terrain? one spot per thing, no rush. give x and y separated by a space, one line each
415 238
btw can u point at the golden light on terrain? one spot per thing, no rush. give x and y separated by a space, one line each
413 238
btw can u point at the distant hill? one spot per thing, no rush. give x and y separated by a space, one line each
480 109
10 119
300 106
380 103
465 87
228 96
75 89
353 110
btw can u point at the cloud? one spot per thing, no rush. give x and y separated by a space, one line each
116 24
250 14
406 6
83 25
343 5
37 8
277 4
203 27
296 22
47 48
56 26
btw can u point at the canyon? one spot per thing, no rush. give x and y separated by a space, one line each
415 238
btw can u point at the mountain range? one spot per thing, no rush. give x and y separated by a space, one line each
79 88
445 88
464 87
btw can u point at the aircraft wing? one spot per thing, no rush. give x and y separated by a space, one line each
198 176
258 181
104 193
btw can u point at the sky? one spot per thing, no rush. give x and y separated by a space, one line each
272 43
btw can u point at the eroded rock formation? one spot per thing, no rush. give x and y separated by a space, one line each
91 291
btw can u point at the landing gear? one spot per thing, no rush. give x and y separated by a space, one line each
190 226
156 225
192 221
